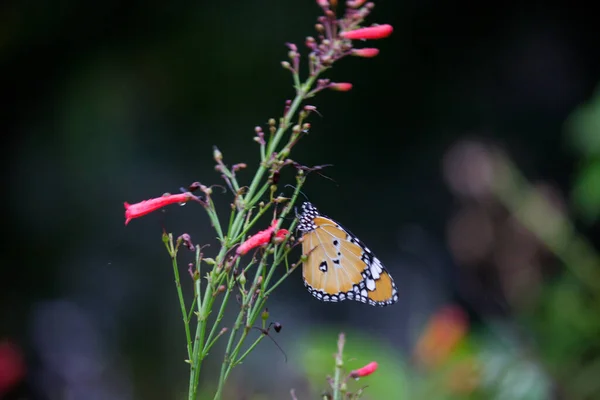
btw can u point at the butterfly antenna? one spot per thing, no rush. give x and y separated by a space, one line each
266 333
299 191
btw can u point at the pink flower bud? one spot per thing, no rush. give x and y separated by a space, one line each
341 87
364 371
368 52
372 32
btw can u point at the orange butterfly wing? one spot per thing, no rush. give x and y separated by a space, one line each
339 266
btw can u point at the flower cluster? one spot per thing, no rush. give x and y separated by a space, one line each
334 41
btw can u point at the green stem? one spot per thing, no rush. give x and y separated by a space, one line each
227 358
204 308
184 313
247 352
339 366
300 96
214 219
217 322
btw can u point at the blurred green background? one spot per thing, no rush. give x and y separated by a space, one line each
467 156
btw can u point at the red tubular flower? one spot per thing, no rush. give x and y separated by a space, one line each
366 52
364 371
372 32
147 206
341 87
260 238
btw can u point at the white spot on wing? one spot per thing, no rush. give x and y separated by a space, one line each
370 284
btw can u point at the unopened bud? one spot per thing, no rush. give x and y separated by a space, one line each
217 155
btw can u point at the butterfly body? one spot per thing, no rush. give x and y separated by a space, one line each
338 265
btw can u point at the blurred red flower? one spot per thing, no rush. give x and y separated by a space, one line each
364 371
367 52
341 87
442 334
12 366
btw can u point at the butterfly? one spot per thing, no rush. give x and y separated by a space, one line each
338 266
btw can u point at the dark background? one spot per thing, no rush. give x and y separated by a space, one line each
108 102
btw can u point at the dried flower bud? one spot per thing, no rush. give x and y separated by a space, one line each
275 177
194 186
277 327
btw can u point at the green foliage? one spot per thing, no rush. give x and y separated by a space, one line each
586 190
583 128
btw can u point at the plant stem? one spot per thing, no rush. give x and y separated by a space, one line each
204 308
283 126
339 366
186 322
